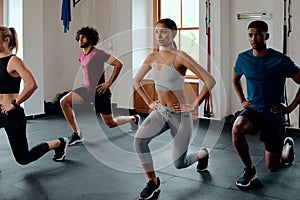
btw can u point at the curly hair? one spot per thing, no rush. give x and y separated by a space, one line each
89 32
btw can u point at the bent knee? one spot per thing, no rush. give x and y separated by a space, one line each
273 168
64 102
22 161
139 141
179 165
141 144
111 124
237 131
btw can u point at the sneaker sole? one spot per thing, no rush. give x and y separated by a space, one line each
293 147
132 131
247 185
153 193
76 141
59 159
290 163
202 170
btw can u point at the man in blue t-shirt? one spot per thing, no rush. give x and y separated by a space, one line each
266 71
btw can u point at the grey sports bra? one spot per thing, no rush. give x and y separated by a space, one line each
168 78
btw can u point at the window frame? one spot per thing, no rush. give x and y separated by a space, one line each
157 15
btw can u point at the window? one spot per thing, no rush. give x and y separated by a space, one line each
186 15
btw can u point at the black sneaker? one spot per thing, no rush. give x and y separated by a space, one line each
203 162
60 151
248 176
291 158
150 190
135 125
74 138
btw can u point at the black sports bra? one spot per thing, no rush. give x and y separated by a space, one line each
8 83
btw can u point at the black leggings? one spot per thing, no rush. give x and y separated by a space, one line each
15 126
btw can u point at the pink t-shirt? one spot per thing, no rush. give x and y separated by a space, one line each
92 66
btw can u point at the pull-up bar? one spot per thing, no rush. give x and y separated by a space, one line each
75 2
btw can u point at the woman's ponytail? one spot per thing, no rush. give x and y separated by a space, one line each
174 44
13 44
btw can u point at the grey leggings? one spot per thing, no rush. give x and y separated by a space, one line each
180 125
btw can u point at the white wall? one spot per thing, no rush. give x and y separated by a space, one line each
55 53
60 50
33 52
113 20
122 40
142 32
22 16
293 52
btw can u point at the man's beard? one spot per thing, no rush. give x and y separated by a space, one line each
259 48
85 45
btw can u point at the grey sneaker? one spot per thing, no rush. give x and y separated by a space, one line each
135 125
248 176
60 151
74 138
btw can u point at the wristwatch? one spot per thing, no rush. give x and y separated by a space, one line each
13 102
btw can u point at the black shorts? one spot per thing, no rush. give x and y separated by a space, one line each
271 132
102 102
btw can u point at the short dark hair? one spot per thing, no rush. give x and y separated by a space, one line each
259 24
89 32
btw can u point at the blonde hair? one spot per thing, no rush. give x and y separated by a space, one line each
12 35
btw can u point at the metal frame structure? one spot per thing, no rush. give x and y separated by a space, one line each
208 105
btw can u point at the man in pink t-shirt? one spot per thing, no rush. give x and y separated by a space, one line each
96 89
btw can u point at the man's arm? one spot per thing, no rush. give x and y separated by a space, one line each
236 80
294 103
288 109
296 100
117 68
117 64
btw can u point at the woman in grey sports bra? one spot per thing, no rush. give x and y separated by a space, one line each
170 111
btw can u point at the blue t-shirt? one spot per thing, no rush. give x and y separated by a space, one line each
265 77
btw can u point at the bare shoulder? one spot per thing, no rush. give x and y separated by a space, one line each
15 59
16 67
182 54
184 59
150 58
152 55
15 63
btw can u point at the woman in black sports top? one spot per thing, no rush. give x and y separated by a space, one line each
12 116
